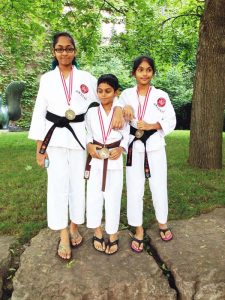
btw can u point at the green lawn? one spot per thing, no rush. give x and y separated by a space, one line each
23 186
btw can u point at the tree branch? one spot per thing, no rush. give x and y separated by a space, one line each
183 15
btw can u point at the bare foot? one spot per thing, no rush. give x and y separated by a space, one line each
165 232
75 237
139 235
112 246
64 250
98 241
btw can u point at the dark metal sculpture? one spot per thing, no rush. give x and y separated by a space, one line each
12 110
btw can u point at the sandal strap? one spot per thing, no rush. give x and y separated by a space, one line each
164 230
100 240
63 247
75 235
110 244
137 240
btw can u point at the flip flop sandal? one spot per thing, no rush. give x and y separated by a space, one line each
110 244
134 239
64 248
166 239
74 236
99 240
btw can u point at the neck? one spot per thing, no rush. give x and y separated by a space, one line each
107 108
65 69
142 89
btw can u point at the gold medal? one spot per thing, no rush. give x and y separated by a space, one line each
104 153
70 114
139 133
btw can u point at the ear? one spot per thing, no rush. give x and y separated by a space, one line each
53 52
117 93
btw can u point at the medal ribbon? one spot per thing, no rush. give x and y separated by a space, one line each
104 135
68 92
141 112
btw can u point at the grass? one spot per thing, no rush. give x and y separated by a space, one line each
23 186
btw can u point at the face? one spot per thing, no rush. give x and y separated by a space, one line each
106 93
144 73
64 58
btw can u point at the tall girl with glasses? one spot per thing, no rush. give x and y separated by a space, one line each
152 117
58 126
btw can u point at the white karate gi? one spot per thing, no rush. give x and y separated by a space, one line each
66 184
114 179
159 109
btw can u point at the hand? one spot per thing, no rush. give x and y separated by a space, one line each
115 153
40 158
118 120
92 150
128 113
142 125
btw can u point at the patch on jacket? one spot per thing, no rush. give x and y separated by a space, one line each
84 89
161 102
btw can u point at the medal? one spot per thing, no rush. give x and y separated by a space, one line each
70 114
104 153
141 111
139 133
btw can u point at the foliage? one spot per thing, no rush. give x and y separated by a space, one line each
166 30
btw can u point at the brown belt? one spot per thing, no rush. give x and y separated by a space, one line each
105 162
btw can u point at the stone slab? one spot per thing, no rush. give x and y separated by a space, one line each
90 276
196 255
5 257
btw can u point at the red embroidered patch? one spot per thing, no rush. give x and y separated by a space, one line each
84 89
161 102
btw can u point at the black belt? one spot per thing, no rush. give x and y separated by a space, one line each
62 122
143 139
105 162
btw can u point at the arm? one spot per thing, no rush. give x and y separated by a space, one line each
91 148
38 123
118 120
116 152
168 120
40 158
146 126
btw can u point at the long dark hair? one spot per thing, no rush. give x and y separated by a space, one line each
55 41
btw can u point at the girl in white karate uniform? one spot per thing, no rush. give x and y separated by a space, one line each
152 117
105 147
58 126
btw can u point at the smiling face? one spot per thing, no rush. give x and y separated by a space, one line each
106 93
66 57
144 73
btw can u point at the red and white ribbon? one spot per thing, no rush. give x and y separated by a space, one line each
141 111
67 91
104 134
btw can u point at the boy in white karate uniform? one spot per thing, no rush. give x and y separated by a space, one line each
105 166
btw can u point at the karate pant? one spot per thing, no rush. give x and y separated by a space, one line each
111 196
66 187
135 181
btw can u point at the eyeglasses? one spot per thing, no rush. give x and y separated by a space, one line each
61 50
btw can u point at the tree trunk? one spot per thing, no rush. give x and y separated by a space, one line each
209 90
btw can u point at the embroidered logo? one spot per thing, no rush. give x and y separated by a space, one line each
161 102
84 89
